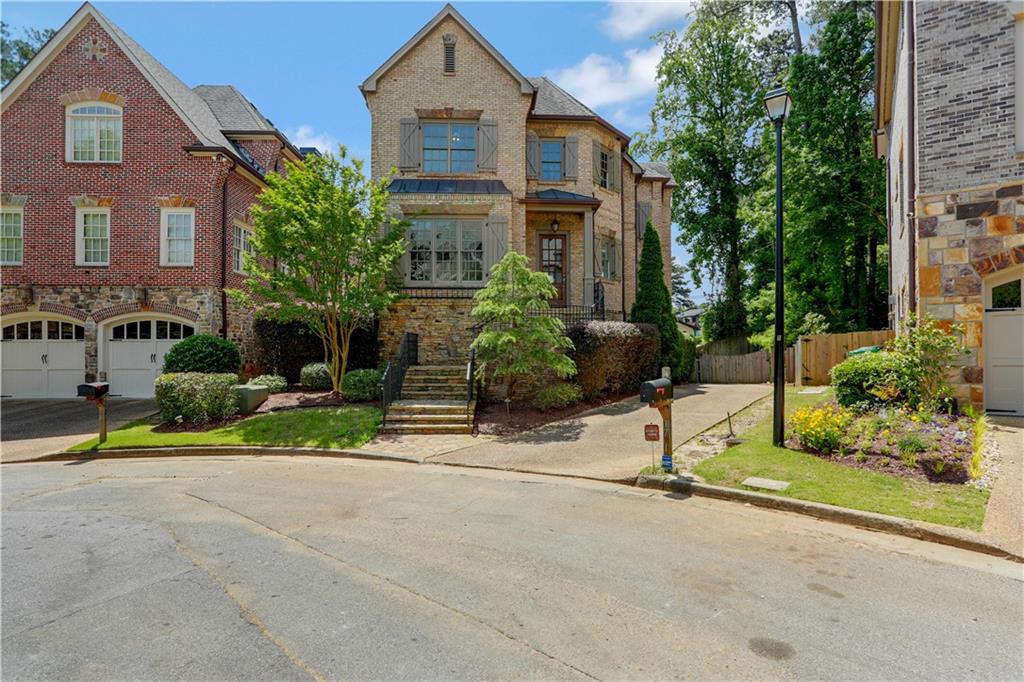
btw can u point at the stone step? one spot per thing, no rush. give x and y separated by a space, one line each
429 406
426 429
437 368
435 381
431 395
427 418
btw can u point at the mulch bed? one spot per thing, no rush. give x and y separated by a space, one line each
874 443
494 419
291 400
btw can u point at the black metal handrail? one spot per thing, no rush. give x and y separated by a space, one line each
394 374
470 383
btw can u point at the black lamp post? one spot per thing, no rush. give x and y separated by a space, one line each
778 104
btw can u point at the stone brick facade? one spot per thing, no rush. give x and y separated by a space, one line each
160 167
413 85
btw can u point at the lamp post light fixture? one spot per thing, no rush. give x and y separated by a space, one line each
554 225
778 105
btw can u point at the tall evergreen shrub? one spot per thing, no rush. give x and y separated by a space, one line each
653 304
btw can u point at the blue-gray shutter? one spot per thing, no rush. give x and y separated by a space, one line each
571 167
595 162
410 150
614 171
487 153
495 242
643 214
532 155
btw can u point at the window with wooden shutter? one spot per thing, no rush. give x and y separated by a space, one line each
643 214
409 144
495 242
487 156
532 155
571 169
552 162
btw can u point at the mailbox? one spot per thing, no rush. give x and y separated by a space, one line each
655 391
93 391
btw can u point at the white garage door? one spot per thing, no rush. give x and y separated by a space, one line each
135 354
42 359
1004 350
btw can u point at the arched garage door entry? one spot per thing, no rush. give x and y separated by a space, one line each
1004 342
43 355
134 348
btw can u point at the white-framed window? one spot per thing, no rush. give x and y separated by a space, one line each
240 245
92 227
12 241
449 147
177 236
445 251
609 259
93 133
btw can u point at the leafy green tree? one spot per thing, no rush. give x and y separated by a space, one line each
15 53
324 251
706 119
654 306
518 341
682 294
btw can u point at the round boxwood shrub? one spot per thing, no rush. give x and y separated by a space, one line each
361 384
196 397
556 396
203 353
883 377
273 382
315 376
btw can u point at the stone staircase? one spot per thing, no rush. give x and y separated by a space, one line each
433 401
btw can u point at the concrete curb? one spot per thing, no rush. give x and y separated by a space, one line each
894 525
216 451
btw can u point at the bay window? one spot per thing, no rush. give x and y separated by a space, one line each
445 251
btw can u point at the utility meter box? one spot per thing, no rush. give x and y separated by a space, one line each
655 391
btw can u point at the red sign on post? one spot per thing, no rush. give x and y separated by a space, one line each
651 432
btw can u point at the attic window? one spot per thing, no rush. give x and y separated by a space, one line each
449 53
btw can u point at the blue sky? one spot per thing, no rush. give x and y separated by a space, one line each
301 63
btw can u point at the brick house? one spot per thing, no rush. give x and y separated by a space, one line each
950 124
489 160
124 211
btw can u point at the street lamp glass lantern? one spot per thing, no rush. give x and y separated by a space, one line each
778 104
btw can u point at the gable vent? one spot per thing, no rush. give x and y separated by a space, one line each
449 53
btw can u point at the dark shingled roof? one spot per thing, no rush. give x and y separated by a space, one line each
445 186
233 111
554 101
657 170
557 196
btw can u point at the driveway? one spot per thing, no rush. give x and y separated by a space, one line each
608 443
297 568
30 428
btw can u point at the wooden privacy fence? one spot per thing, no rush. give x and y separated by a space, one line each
749 368
816 355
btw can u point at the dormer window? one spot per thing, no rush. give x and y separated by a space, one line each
449 53
93 133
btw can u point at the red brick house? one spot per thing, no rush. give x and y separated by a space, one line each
123 214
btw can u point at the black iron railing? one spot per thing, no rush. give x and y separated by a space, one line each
470 384
394 373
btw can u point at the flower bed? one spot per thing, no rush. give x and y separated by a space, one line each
894 440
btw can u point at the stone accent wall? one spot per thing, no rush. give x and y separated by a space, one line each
963 238
443 326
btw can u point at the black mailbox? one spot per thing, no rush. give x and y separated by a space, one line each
655 391
93 391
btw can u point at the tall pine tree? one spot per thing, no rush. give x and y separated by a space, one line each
653 304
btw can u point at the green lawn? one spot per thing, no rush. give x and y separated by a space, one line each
324 427
818 480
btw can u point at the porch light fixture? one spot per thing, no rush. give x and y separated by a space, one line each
554 225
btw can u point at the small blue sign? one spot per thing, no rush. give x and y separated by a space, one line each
666 462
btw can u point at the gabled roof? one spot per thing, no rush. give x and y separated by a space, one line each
658 170
554 101
232 110
370 84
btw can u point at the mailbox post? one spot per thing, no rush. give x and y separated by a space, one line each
658 393
97 393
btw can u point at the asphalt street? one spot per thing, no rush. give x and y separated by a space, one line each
291 568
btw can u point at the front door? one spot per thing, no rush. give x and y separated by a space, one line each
554 255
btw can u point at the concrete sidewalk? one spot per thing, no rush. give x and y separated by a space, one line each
607 443
1004 515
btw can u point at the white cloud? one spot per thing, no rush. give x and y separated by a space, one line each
306 136
599 79
631 19
630 118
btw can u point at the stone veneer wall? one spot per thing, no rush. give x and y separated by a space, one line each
443 326
962 238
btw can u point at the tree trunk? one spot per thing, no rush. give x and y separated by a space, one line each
794 18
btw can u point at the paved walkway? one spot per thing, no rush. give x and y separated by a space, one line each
1004 516
606 443
31 428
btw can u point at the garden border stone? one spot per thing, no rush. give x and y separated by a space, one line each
894 525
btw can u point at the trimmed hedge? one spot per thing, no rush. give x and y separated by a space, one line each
316 377
883 377
284 348
361 384
273 382
614 357
203 353
556 396
196 396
